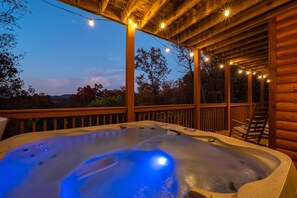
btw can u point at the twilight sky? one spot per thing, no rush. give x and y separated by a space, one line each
64 53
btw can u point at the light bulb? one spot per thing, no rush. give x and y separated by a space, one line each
163 25
91 22
167 49
226 13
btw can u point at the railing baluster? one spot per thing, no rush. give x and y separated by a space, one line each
64 123
22 126
55 123
97 120
104 119
117 119
73 122
110 119
90 120
44 125
33 124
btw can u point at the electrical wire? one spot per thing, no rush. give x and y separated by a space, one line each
72 12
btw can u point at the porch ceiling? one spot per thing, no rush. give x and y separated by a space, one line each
242 37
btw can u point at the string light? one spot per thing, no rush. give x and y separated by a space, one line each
226 13
167 49
91 22
259 77
134 25
240 71
264 76
130 21
163 25
254 73
247 72
268 81
191 54
206 59
221 66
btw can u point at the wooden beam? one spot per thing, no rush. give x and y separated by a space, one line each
152 11
272 84
227 98
240 44
262 29
261 8
130 40
128 10
250 59
247 54
206 8
197 92
215 19
104 5
256 45
250 92
178 12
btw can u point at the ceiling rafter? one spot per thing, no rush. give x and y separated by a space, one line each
244 16
104 5
178 12
215 19
201 13
128 10
152 12
247 52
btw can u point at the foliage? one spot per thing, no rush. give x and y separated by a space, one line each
10 82
155 69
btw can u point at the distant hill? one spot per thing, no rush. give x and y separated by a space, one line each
57 99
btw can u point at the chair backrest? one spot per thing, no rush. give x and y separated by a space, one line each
257 123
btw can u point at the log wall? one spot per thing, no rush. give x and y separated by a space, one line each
283 90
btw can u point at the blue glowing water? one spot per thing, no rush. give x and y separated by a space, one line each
132 162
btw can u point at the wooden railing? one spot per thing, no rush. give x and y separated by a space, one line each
175 114
213 116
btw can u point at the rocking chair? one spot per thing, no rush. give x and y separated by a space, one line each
253 129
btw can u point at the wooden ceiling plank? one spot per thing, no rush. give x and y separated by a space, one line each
152 11
242 17
185 7
215 19
240 44
104 5
247 52
238 37
202 12
247 55
259 44
128 10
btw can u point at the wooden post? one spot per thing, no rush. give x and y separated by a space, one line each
262 91
272 84
228 96
197 93
130 72
250 93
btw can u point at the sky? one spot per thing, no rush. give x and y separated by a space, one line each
63 53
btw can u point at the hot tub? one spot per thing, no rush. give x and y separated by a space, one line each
141 159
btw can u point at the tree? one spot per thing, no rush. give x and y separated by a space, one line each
10 82
155 69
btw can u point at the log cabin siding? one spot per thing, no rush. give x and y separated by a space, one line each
283 67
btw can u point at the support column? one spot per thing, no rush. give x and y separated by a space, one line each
250 92
227 99
262 92
130 39
197 92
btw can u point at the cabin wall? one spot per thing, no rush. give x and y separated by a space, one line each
283 87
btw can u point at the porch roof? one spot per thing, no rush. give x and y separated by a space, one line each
242 37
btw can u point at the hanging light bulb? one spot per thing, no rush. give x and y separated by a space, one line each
259 77
206 59
268 81
191 54
134 25
167 49
226 13
231 62
247 72
91 22
162 25
240 71
264 76
254 73
130 21
221 66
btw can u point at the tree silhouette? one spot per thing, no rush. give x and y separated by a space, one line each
155 69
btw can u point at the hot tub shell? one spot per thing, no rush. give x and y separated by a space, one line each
280 182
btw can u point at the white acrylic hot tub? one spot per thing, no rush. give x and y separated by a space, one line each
157 159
